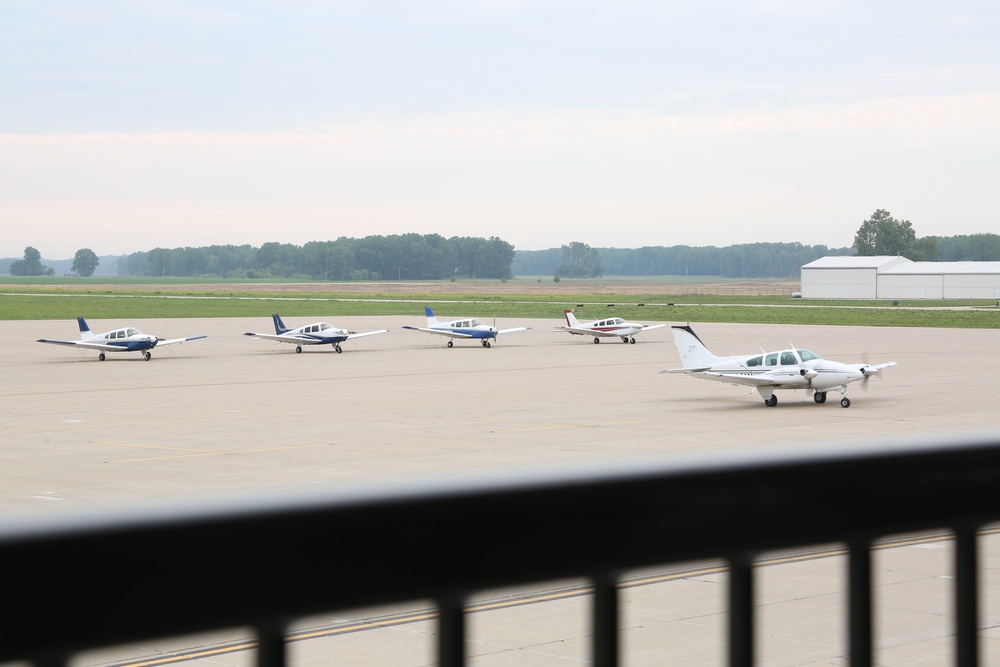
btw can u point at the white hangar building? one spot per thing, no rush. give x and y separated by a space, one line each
886 277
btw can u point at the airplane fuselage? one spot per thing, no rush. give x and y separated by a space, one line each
816 374
478 331
128 340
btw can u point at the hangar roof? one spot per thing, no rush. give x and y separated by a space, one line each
939 268
855 262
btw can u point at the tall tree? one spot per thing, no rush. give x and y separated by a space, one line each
31 265
579 260
85 262
882 234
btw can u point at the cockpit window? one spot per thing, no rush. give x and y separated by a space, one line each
756 361
771 359
788 358
807 355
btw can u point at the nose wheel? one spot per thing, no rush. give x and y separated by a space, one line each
486 342
336 346
147 355
845 402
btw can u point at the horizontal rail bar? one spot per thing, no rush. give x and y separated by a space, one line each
105 577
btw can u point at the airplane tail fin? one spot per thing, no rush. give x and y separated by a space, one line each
431 320
692 351
85 331
571 319
279 326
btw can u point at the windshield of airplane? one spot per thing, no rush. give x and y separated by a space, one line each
324 326
806 355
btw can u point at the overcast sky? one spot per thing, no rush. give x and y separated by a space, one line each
130 125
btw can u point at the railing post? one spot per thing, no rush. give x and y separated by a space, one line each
271 650
741 611
606 620
859 622
966 598
451 631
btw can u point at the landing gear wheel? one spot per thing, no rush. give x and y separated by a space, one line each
632 340
451 343
336 346
625 339
147 355
596 340
298 349
845 402
771 402
101 357
820 397
487 343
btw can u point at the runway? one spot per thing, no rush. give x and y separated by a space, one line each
230 414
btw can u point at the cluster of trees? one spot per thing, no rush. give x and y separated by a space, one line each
882 234
85 262
751 260
395 257
30 265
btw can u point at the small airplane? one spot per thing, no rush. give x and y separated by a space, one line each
610 327
766 372
126 339
464 328
318 333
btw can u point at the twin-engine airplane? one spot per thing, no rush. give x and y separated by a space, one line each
126 339
464 328
318 333
787 369
613 326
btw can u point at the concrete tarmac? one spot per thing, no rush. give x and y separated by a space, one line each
232 414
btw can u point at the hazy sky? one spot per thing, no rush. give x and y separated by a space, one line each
130 125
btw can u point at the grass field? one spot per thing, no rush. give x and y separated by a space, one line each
646 300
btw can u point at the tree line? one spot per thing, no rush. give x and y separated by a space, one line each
750 260
395 257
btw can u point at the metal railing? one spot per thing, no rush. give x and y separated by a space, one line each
84 581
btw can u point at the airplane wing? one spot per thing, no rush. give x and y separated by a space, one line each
171 341
875 368
583 332
505 331
285 338
769 379
88 345
440 332
652 326
367 333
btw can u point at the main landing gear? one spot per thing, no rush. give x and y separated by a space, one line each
626 339
820 397
298 349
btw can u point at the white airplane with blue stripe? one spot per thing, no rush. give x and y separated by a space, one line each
317 333
467 328
769 371
126 339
